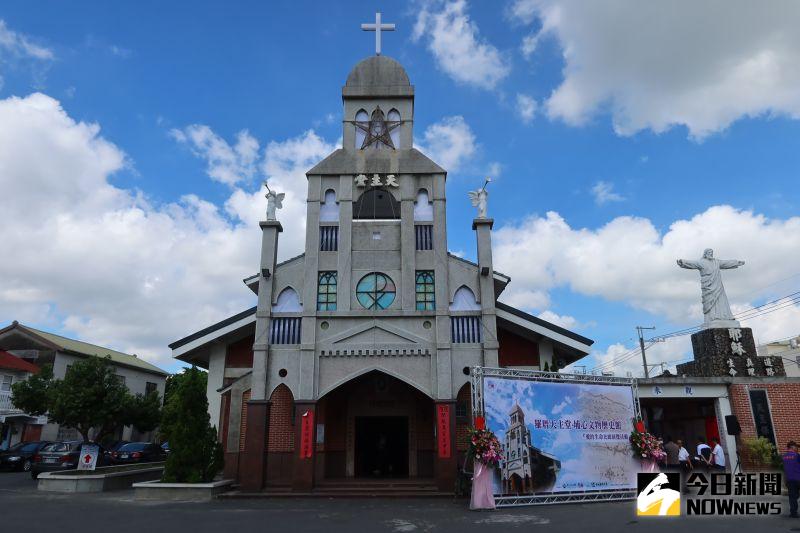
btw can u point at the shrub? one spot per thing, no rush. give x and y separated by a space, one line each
762 452
195 455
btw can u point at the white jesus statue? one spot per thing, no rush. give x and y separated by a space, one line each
716 309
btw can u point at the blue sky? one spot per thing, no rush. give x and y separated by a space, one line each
619 138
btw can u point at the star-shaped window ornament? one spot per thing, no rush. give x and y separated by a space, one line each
377 130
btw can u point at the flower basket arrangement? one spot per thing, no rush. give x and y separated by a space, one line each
645 446
484 447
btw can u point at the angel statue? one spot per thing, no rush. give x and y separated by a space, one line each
479 198
274 201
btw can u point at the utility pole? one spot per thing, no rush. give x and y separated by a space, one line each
639 330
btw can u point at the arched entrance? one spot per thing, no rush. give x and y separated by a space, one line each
376 426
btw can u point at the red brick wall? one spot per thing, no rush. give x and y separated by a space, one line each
784 402
281 428
515 350
224 419
243 420
240 353
463 424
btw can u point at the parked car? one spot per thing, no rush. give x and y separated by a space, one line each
138 452
20 455
61 456
111 447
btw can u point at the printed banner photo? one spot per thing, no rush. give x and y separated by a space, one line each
561 437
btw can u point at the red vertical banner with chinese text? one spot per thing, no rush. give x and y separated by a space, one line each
443 429
307 435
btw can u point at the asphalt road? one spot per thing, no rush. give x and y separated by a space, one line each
23 509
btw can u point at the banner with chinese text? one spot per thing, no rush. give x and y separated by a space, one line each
561 436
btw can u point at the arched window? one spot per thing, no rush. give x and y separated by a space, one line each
329 209
361 133
288 302
423 208
394 118
376 203
464 300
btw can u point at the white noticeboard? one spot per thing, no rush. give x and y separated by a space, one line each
87 460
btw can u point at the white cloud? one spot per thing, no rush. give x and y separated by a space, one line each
622 360
110 265
702 65
226 164
529 44
565 321
603 192
629 260
454 41
494 169
526 107
449 142
18 45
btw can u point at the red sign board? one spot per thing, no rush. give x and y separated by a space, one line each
443 429
307 435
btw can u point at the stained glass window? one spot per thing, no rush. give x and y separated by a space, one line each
375 291
326 291
425 293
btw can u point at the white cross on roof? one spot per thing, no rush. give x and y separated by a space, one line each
377 27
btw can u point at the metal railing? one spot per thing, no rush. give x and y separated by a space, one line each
6 404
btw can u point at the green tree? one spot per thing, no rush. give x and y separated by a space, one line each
175 379
195 455
32 394
90 397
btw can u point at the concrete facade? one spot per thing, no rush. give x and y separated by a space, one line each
311 351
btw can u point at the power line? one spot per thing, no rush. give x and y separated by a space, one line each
760 310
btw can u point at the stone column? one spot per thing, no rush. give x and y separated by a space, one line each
446 468
269 255
253 460
303 475
483 230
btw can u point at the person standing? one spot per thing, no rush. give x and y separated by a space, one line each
683 457
791 467
703 457
672 451
718 454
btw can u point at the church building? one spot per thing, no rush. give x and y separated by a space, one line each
355 363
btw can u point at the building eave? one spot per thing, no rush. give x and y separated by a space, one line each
547 329
182 348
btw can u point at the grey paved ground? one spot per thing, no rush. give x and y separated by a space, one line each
23 509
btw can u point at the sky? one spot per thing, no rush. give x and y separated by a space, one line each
620 136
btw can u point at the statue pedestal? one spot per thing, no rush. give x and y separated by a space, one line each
728 352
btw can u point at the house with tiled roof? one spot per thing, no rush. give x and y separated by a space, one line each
24 350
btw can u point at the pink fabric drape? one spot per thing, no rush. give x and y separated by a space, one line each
482 488
649 465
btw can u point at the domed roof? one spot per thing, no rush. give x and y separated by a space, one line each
376 76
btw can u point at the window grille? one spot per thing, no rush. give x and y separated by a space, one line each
328 238
284 330
465 329
424 233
